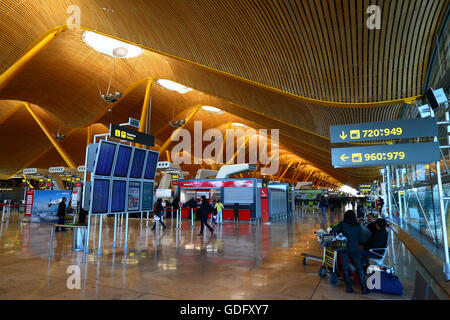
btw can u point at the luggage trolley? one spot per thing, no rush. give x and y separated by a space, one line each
329 259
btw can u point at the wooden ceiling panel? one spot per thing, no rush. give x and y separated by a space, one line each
308 48
291 65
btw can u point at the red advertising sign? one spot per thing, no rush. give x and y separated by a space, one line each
264 193
174 182
216 184
29 203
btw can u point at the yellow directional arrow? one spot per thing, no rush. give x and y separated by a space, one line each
343 136
344 158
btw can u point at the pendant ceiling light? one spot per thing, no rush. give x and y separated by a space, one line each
111 47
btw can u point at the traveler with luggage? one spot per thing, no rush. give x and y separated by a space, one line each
351 229
159 214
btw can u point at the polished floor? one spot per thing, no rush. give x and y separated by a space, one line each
238 262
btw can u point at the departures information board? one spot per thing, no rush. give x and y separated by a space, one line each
119 183
389 130
381 155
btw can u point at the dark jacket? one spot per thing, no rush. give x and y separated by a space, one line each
159 210
353 234
323 203
378 239
360 213
191 204
372 227
61 209
205 209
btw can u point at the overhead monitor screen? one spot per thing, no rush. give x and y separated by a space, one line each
150 167
105 159
100 196
138 163
123 161
147 196
134 196
119 189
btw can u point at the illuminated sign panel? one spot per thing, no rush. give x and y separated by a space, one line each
389 130
382 155
216 183
131 135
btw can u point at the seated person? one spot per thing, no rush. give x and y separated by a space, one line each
371 222
378 239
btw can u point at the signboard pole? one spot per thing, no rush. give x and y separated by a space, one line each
115 231
125 246
443 221
99 250
442 211
87 233
400 205
388 190
383 190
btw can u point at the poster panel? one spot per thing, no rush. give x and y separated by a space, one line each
45 204
134 196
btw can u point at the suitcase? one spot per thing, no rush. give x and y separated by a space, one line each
389 284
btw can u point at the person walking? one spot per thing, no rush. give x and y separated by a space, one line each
351 229
159 213
219 207
379 205
205 209
323 205
61 214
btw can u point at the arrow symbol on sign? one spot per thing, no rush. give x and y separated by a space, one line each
343 136
344 158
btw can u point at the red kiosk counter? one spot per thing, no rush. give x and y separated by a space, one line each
248 198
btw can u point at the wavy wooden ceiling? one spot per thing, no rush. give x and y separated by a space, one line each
254 59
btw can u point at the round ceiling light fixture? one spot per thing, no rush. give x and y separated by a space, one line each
109 46
120 52
237 124
213 110
170 85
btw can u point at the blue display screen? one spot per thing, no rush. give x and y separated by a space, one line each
150 167
138 163
105 159
123 161
147 196
100 196
118 196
